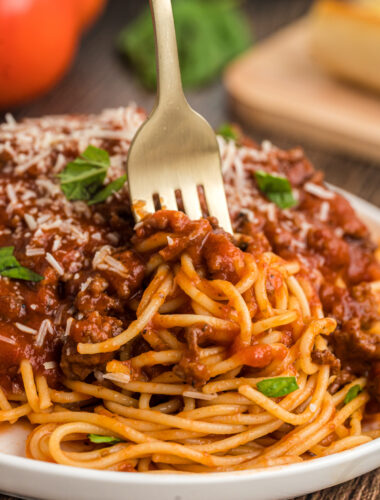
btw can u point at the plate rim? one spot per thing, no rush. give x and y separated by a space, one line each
67 471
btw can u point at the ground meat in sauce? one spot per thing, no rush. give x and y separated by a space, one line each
126 285
223 258
326 357
92 329
324 233
94 296
190 368
374 380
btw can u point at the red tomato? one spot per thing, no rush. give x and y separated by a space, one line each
38 39
89 11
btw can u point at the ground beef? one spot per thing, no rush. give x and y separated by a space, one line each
125 286
326 357
93 328
190 369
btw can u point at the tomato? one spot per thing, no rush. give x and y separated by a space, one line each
38 39
89 11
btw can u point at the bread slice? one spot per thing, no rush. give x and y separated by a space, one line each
345 39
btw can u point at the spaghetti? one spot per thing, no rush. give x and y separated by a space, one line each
175 347
194 400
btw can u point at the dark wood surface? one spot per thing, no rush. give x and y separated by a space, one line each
99 79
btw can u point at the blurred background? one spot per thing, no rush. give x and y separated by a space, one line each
299 82
99 78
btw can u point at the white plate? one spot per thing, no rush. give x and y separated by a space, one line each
28 478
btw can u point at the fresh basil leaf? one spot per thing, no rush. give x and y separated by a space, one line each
102 195
227 131
96 156
21 273
352 393
97 438
83 178
276 188
209 34
282 200
11 268
6 252
277 387
80 182
8 262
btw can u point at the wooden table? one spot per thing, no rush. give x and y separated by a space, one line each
99 79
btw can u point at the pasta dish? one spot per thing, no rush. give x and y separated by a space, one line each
170 345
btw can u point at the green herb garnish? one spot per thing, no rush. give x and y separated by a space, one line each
277 387
11 268
83 178
209 34
352 393
276 188
227 131
97 438
104 193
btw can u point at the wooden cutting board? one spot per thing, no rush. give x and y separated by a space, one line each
278 85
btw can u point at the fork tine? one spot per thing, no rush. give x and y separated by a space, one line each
167 198
217 204
191 202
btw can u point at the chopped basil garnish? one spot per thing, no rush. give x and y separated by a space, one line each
227 131
97 438
104 193
352 393
277 387
83 178
276 188
11 268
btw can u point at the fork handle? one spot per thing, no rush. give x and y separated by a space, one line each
169 83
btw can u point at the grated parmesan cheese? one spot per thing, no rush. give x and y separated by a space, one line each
50 365
30 221
54 264
11 193
68 327
7 340
324 211
45 328
122 378
319 191
31 252
25 329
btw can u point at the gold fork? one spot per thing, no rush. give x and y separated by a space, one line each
175 149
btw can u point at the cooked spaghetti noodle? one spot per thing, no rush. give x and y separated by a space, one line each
179 348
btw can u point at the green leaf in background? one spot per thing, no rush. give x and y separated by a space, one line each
98 438
210 33
276 188
11 268
227 131
277 387
352 393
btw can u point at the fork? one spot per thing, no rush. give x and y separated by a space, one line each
175 149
